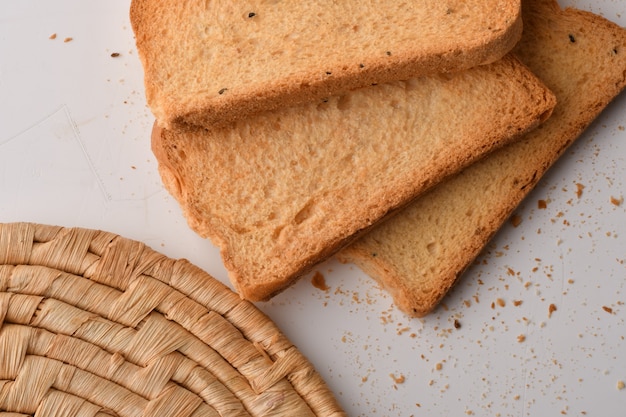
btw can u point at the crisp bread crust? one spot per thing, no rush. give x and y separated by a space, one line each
212 63
582 58
285 190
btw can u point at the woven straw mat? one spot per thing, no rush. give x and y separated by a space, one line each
93 324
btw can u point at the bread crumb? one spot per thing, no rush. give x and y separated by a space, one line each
542 204
319 281
53 36
516 220
607 309
501 302
579 189
551 309
402 330
398 379
521 338
517 303
617 201
621 385
438 366
115 54
68 39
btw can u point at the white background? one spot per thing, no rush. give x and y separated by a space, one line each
74 151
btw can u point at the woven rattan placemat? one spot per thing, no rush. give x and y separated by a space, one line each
94 324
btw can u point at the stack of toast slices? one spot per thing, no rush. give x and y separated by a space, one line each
396 136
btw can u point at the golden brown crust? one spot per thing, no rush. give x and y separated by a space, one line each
206 67
582 59
285 190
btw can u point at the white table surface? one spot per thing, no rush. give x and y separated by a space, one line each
74 151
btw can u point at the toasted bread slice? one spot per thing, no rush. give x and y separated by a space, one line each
418 255
214 62
285 190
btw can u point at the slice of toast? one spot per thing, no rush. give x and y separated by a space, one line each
283 191
208 62
418 255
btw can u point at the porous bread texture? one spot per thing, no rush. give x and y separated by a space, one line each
210 62
419 254
280 192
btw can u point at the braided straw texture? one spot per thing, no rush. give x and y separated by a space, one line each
93 324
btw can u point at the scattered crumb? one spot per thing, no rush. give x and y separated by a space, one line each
551 309
620 385
115 54
501 302
68 39
403 330
398 379
607 309
457 324
517 303
542 204
617 201
53 36
438 366
319 281
521 338
579 189
516 220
